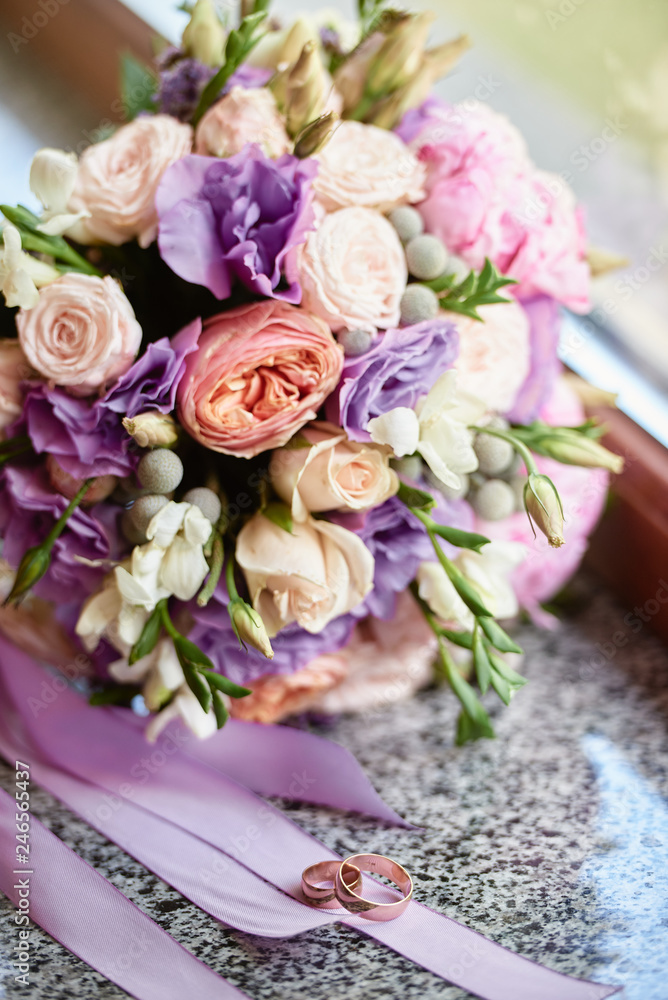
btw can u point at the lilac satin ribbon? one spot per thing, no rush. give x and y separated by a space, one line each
93 920
96 746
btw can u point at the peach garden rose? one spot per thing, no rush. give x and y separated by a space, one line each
352 270
368 166
118 178
332 473
311 576
82 334
239 117
259 373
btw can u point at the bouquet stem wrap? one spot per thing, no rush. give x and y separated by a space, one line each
187 808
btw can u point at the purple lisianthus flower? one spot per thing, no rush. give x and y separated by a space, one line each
235 218
545 324
400 367
152 381
29 507
415 119
182 81
293 646
86 438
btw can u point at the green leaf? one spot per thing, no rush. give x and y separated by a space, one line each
466 590
476 290
483 667
411 496
197 685
280 514
189 654
239 44
498 637
139 86
515 680
502 688
148 639
463 639
224 684
468 730
464 691
220 709
462 539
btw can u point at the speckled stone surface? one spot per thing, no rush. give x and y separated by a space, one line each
552 840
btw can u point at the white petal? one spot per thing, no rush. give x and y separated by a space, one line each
183 569
122 672
441 396
53 174
57 223
131 590
20 290
163 527
398 428
438 466
11 254
96 614
196 527
131 621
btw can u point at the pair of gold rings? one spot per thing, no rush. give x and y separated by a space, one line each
345 878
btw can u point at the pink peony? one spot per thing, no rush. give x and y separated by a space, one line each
494 356
352 270
485 198
367 166
13 369
82 334
242 116
259 373
118 178
583 491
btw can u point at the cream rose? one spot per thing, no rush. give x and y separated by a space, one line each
332 474
368 166
311 576
495 355
239 117
352 270
82 334
13 369
118 178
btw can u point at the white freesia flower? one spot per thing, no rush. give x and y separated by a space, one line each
437 429
488 571
53 174
162 677
186 707
20 274
171 564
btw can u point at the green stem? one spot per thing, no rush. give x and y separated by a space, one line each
216 569
232 592
58 249
360 112
518 445
59 526
171 631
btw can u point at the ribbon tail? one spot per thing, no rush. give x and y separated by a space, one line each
291 764
93 920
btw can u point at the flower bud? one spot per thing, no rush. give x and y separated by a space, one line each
152 429
400 55
204 35
249 627
53 174
573 448
33 566
543 505
316 135
301 89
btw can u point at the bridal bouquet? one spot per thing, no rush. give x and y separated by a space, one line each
279 382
